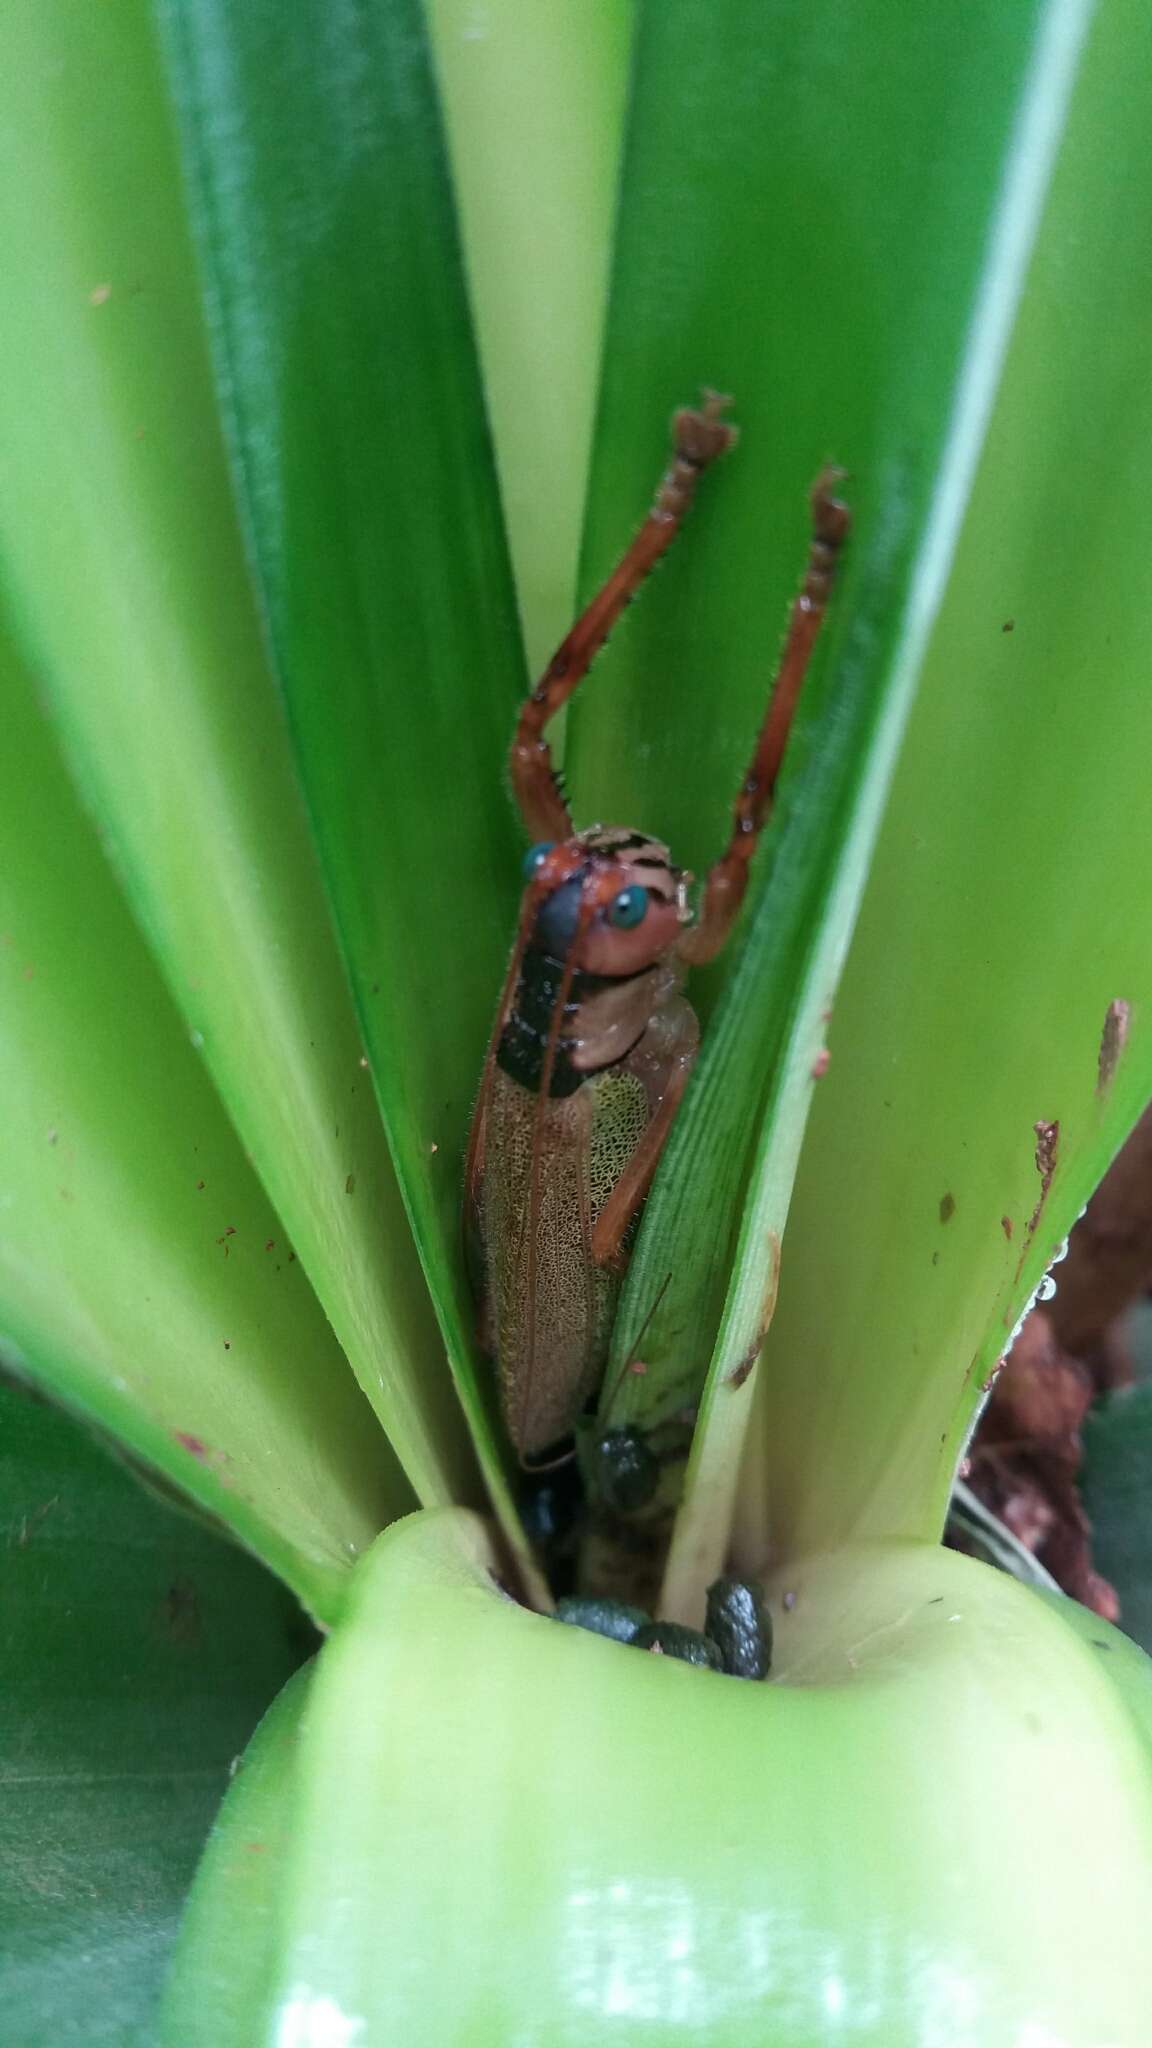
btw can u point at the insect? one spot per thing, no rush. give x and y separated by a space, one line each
594 1039
736 1637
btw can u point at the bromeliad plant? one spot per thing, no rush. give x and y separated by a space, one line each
253 547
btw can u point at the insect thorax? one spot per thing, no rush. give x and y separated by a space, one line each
524 1040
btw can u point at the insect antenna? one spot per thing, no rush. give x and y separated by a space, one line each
631 1360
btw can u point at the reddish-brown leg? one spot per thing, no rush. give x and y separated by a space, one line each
728 879
697 439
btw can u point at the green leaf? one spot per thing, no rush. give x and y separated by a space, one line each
124 555
346 365
224 1961
817 217
533 102
144 1277
1116 1488
853 819
690 1853
138 1652
1006 911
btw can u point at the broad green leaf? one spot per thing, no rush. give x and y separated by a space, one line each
346 367
704 1522
224 1961
144 1276
814 219
534 109
138 1651
622 1847
1006 912
120 543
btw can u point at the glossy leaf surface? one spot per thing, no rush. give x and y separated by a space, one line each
138 1652
823 250
124 555
354 407
534 102
1006 912
144 1277
664 1881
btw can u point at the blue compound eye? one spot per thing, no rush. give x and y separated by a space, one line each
535 856
628 908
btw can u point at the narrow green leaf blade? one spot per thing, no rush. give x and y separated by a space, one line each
809 202
534 103
347 365
144 1277
123 550
138 1651
703 1527
1007 909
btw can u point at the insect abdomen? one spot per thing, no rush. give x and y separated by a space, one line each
550 1166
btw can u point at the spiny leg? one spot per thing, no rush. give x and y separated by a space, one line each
728 879
698 437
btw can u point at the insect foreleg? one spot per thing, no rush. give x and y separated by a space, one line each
698 438
728 879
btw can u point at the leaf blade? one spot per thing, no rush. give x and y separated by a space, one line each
138 1650
752 258
356 417
1006 937
144 1276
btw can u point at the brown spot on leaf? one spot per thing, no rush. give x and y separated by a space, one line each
350 1184
1047 1148
1113 1039
1009 626
1006 1227
745 1363
194 1445
1047 1157
180 1613
947 1207
743 1367
821 1063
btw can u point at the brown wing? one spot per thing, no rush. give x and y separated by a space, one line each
475 1256
549 1168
